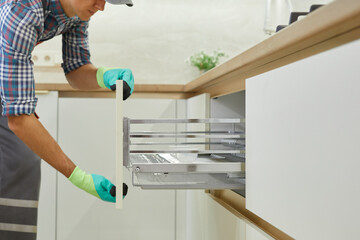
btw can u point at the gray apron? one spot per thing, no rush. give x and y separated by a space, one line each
19 186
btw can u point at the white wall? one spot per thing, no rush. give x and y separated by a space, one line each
304 5
154 38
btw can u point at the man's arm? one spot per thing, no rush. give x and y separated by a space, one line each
29 129
19 102
83 77
34 135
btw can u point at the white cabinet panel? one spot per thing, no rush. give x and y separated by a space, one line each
302 153
47 108
198 107
195 205
87 135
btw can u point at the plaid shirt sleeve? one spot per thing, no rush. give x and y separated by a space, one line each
18 36
75 47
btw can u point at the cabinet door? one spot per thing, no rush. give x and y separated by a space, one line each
47 108
302 153
87 136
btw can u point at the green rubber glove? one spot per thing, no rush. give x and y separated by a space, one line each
94 184
107 77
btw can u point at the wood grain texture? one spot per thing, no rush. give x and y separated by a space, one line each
235 81
330 21
153 88
161 91
330 26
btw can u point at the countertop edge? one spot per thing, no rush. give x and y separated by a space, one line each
331 25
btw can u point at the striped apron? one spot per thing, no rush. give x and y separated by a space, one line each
19 186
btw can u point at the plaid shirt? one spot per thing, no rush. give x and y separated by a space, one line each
23 26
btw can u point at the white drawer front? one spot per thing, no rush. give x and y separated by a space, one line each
302 145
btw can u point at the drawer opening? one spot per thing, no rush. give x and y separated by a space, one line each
165 158
230 106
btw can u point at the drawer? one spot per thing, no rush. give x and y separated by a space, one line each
170 158
184 160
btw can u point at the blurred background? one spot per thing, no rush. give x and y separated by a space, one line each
156 38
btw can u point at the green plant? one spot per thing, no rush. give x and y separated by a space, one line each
204 61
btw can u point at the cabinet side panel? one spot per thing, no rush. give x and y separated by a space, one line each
302 153
47 108
196 200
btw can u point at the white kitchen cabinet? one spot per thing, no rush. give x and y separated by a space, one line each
87 136
199 217
47 108
302 153
184 160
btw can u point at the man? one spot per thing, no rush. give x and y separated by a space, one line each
23 139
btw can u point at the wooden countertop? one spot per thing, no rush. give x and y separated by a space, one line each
329 26
140 90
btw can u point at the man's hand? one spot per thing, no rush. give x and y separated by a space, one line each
96 185
107 77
